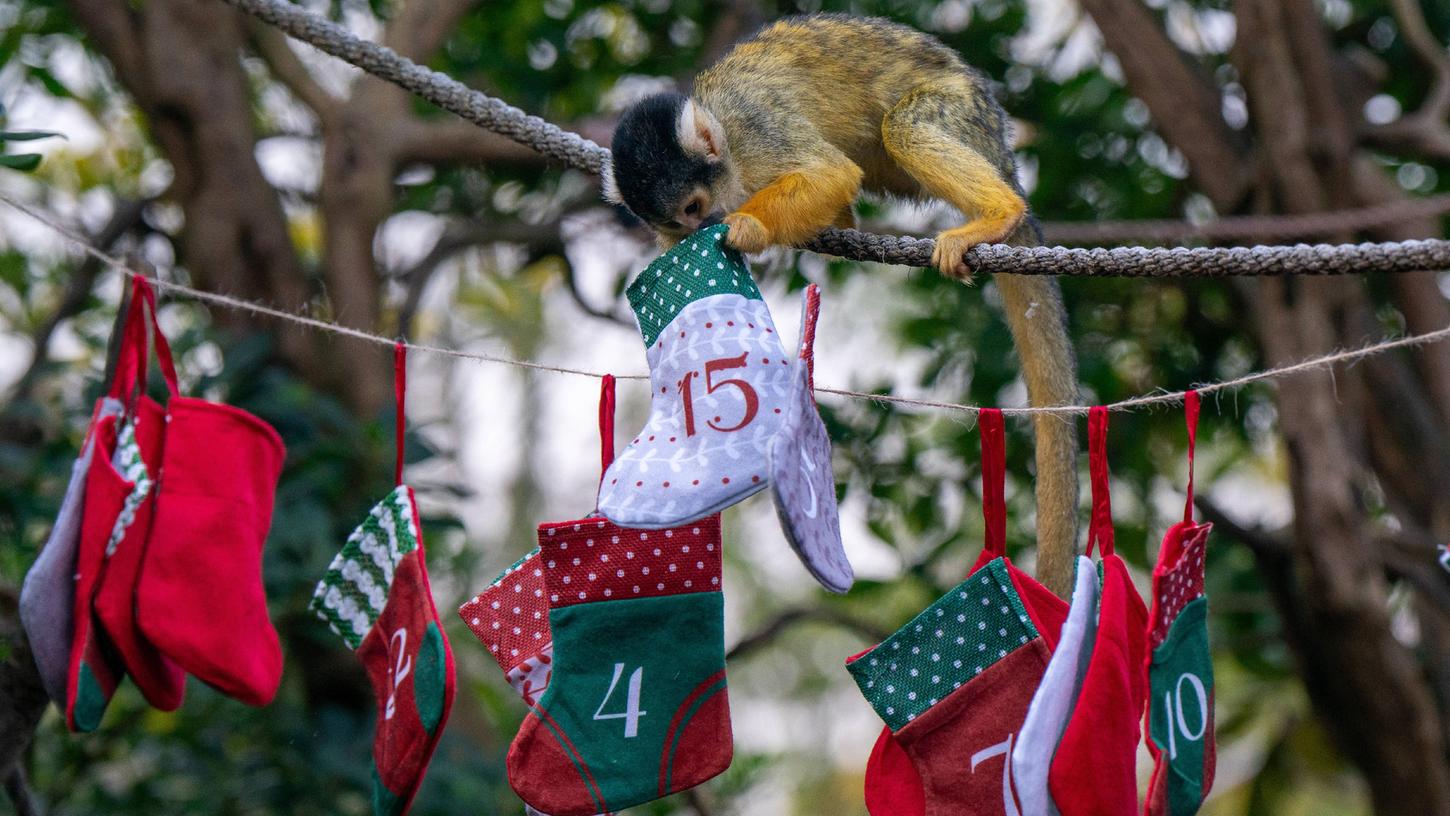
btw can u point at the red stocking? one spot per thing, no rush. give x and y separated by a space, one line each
1094 770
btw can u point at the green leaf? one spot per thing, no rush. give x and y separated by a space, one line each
24 162
27 135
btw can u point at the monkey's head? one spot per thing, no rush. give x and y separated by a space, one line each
671 166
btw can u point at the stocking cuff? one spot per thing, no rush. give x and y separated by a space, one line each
696 268
511 616
967 630
353 592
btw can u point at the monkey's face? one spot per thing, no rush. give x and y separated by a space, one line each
670 165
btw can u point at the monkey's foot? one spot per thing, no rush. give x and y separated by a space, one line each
747 233
952 245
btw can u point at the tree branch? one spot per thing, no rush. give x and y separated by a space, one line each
271 45
125 217
19 792
1273 543
1423 132
22 698
421 27
773 628
1185 105
1417 34
454 141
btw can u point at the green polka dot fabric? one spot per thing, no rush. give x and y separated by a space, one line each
962 634
695 268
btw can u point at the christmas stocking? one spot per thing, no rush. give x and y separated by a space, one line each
720 384
115 484
950 686
1180 666
511 616
1056 697
511 619
893 786
137 456
199 596
94 670
802 483
47 598
161 682
1093 772
637 706
376 596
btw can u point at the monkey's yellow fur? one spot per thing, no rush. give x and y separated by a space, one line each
816 109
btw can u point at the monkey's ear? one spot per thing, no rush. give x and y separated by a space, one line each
700 133
608 186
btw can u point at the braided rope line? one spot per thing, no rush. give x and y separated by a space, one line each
1244 227
1134 403
578 152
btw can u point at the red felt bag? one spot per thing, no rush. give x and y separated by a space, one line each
200 598
94 670
94 667
893 785
1094 770
161 681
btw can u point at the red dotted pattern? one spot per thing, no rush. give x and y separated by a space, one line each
596 560
511 617
1180 584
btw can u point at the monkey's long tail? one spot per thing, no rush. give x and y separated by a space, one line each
1038 321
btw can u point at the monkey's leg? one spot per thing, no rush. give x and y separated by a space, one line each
845 219
944 135
931 135
797 205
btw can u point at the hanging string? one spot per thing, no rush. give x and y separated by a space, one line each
606 424
576 151
1190 416
400 390
1134 403
1100 527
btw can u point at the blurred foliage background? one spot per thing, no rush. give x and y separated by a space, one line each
479 247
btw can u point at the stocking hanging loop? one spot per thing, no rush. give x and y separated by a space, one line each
1100 529
994 477
1190 413
606 424
808 333
133 358
400 388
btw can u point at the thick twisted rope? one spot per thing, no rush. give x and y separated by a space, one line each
578 152
1248 227
1134 403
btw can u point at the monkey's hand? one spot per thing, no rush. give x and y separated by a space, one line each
747 233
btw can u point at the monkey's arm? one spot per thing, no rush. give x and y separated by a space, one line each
800 201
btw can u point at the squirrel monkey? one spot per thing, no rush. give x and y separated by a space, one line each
787 129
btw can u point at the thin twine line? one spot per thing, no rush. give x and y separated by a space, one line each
1130 404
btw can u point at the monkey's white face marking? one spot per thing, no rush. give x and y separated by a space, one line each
699 133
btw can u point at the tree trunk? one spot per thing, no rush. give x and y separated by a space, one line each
1371 691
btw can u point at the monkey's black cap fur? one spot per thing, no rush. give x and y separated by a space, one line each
651 170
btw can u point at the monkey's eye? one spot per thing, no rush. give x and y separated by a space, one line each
693 208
